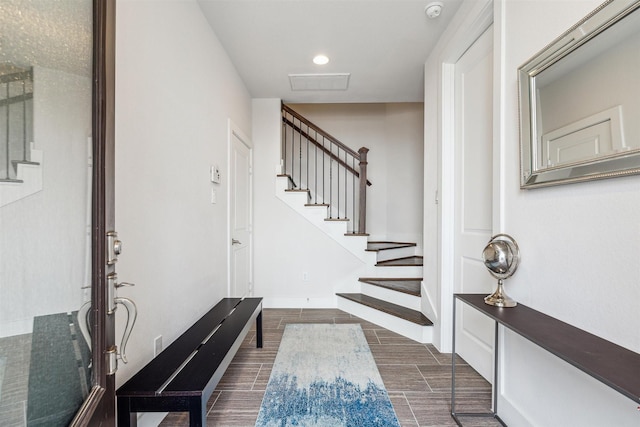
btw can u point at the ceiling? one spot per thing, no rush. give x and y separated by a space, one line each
46 33
383 44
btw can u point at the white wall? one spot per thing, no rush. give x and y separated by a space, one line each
285 244
394 135
580 246
175 91
579 242
42 249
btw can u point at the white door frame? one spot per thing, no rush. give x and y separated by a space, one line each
475 24
234 130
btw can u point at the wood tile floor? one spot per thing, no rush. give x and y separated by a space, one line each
417 376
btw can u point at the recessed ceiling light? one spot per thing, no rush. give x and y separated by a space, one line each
320 59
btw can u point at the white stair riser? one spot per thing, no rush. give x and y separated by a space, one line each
422 334
400 272
394 297
282 183
298 197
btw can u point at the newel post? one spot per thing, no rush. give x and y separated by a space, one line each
362 220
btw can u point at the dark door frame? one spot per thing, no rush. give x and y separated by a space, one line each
99 407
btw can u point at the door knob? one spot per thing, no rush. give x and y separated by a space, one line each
236 242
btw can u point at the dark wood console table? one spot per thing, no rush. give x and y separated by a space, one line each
605 361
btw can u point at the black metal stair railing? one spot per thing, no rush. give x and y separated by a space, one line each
16 116
334 174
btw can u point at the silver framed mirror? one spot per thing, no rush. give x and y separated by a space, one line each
578 101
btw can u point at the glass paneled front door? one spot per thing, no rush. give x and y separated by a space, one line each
47 198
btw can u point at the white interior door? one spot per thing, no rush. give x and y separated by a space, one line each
240 223
473 197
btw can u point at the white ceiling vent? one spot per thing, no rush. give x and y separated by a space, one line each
332 81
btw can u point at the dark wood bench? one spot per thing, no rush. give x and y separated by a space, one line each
182 377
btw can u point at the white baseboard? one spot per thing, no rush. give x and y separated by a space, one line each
326 302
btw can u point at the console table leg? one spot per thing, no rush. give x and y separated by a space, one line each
453 366
496 353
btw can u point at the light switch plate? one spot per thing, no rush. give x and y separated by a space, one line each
215 174
157 345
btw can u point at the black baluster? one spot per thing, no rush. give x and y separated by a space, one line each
323 170
300 157
330 181
307 166
315 167
346 163
293 139
283 149
353 194
338 186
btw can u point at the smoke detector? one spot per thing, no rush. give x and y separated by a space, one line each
433 9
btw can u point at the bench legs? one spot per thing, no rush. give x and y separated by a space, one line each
195 406
197 412
125 417
259 330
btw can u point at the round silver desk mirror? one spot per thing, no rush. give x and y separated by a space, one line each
501 257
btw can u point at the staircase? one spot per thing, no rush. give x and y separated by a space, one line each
20 163
27 181
389 293
392 297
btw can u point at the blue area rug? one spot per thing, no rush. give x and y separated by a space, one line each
325 376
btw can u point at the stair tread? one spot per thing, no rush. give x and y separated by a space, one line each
401 262
25 162
324 205
381 246
336 219
404 285
407 314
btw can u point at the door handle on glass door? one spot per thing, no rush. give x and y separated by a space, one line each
132 314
